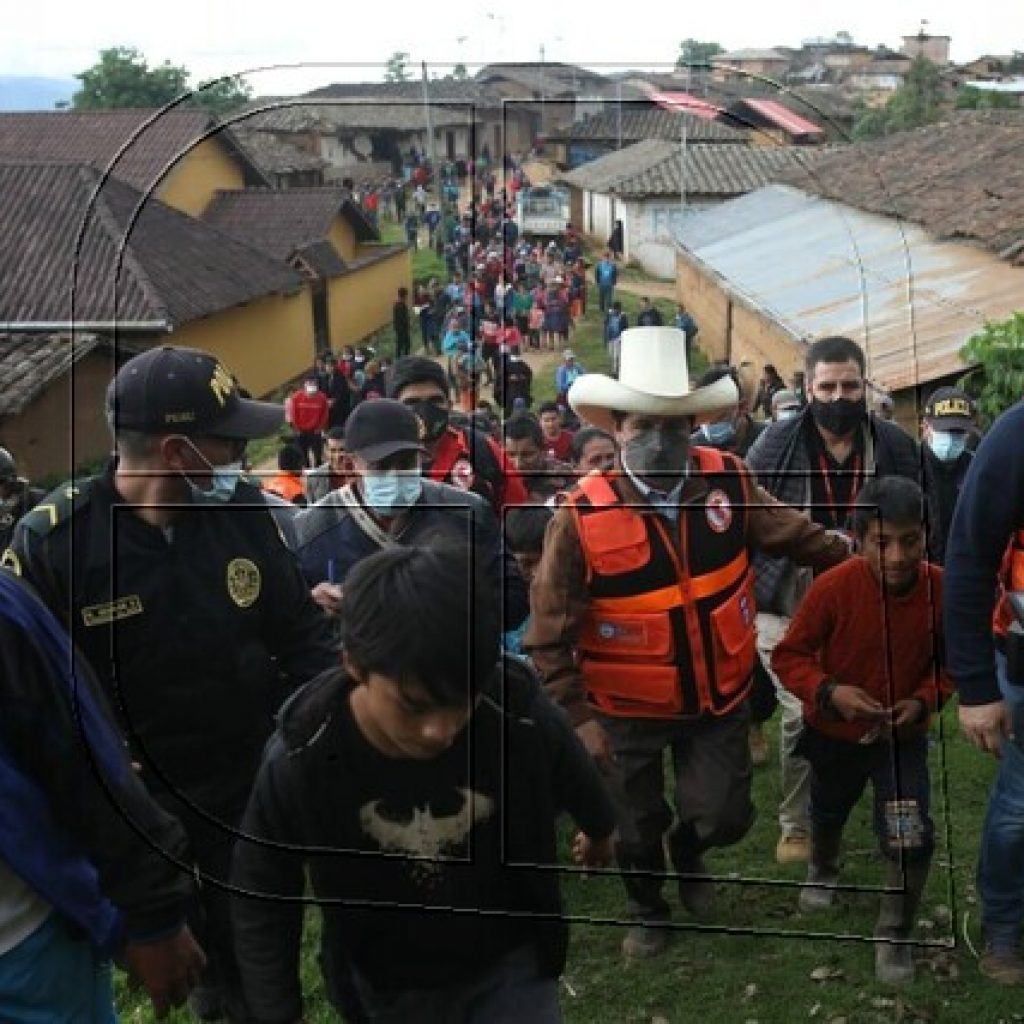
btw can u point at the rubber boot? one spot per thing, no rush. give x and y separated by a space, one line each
894 956
819 892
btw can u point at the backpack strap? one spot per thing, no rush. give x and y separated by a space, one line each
363 519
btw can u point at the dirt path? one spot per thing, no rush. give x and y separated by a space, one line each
651 289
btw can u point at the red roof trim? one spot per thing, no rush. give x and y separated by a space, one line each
785 119
683 102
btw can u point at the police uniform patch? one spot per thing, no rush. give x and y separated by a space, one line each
104 614
718 509
9 560
462 474
244 582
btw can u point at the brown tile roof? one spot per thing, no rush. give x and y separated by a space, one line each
350 115
549 75
282 222
139 146
644 121
961 179
277 155
29 362
655 168
92 251
452 91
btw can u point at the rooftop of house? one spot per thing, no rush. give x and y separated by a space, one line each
961 179
137 146
92 250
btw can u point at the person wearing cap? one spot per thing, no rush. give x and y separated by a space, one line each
459 456
816 461
388 502
566 374
985 650
17 496
176 584
948 421
642 618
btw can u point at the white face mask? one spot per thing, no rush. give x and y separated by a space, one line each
311 388
392 490
787 414
948 445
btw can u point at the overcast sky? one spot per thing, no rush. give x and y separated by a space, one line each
354 40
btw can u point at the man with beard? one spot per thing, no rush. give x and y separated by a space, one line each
817 461
643 619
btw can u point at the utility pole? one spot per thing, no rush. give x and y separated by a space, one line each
435 167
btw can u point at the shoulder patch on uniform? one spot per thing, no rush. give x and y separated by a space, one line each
10 560
57 507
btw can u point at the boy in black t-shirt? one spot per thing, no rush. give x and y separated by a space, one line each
419 786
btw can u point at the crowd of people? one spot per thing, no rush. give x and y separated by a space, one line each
220 696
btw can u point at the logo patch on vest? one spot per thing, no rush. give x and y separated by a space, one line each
462 474
746 609
633 635
718 509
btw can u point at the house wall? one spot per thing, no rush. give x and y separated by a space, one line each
54 435
343 237
360 303
265 343
202 171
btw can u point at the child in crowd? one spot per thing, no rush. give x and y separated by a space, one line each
861 654
419 786
524 537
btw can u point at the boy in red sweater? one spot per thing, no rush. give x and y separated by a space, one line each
861 656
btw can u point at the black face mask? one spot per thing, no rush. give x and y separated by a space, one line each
839 417
434 420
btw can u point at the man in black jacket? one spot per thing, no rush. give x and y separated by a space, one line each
387 503
816 461
178 588
433 773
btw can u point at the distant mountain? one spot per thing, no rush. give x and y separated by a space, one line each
27 92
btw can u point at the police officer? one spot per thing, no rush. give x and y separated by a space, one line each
643 618
16 497
177 586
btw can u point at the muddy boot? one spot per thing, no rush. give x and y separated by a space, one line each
894 956
819 892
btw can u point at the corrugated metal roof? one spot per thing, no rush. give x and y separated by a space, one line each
785 119
818 267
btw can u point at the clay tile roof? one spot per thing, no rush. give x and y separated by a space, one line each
961 178
140 146
79 248
29 362
643 121
283 222
656 168
277 155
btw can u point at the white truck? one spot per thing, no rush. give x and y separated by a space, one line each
542 211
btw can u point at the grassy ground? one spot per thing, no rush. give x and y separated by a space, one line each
761 961
755 963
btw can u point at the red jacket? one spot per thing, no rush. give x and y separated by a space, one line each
307 413
846 629
453 465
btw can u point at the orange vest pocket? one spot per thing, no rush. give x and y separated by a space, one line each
640 691
615 542
646 637
735 640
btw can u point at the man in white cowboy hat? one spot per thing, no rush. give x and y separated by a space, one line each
643 618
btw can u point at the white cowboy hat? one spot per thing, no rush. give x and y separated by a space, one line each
653 378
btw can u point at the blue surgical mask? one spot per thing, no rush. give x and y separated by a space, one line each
718 435
223 481
947 445
392 490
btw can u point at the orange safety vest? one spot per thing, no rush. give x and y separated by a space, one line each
670 628
286 485
1011 578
